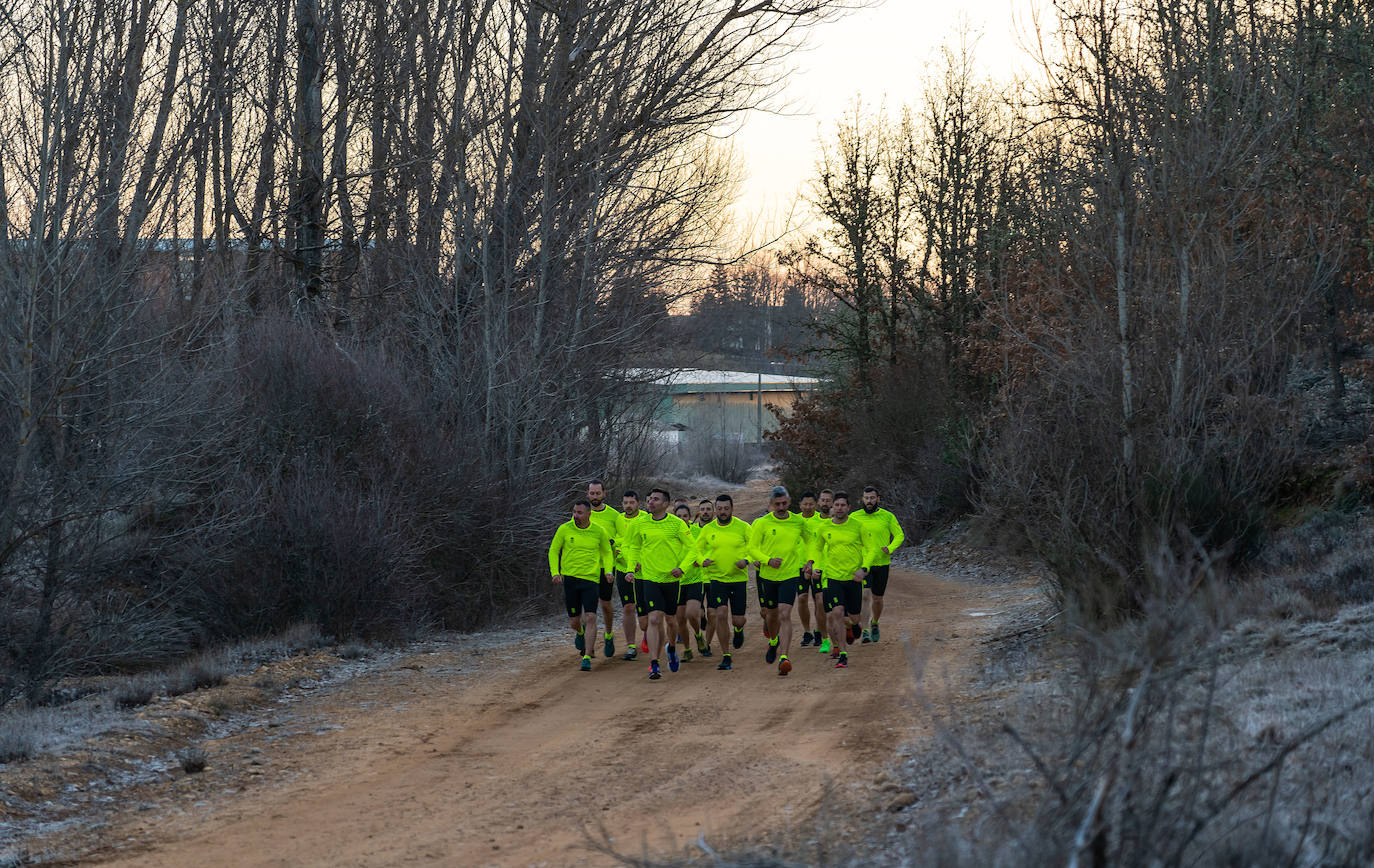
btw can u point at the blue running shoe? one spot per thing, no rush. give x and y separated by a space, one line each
654 674
673 663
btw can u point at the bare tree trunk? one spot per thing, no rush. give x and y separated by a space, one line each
307 196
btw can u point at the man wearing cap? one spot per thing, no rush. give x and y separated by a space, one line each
779 542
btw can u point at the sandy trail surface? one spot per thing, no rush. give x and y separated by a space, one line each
515 757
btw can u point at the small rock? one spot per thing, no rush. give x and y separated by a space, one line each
902 801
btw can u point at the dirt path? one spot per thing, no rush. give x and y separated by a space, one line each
494 749
511 765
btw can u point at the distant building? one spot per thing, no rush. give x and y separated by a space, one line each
730 404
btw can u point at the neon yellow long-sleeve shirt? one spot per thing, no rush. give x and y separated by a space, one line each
788 539
615 526
724 545
579 552
691 568
813 553
656 547
885 530
845 547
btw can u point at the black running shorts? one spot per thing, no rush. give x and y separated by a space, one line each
655 597
579 595
625 588
690 591
732 594
849 594
877 580
807 587
606 587
780 593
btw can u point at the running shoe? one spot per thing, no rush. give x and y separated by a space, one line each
772 653
867 638
644 646
738 641
609 649
835 654
580 641
851 633
806 638
686 655
818 639
586 664
873 630
702 647
654 674
843 662
784 666
724 663
825 647
673 663
631 654
707 652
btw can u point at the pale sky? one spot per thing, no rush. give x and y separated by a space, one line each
880 54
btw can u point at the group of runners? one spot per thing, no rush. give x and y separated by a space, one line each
682 577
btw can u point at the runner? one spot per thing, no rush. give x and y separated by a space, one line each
779 542
706 513
578 557
722 549
624 585
844 548
613 523
887 536
690 594
655 548
822 637
808 512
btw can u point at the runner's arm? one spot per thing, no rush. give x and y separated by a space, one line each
556 549
895 529
607 556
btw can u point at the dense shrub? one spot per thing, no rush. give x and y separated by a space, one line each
908 436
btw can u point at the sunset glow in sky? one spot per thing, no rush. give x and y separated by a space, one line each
880 54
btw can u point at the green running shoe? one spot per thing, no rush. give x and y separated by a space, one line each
825 646
873 630
609 648
686 655
586 664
